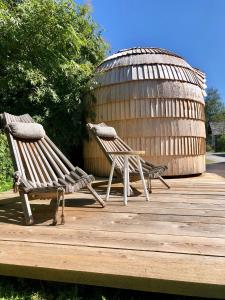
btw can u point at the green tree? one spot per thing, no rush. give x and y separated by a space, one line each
214 111
6 169
48 52
214 106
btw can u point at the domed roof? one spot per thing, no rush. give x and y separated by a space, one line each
140 50
148 63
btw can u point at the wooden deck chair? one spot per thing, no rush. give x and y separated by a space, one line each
41 170
115 143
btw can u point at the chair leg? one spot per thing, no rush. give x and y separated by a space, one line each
96 195
163 181
149 185
55 207
26 209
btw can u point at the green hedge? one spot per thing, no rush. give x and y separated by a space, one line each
220 143
6 166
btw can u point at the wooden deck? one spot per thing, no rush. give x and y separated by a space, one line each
174 244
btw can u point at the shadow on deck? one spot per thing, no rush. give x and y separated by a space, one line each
173 244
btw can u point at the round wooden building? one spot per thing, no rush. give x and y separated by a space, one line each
155 101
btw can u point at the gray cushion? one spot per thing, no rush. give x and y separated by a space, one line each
105 131
31 131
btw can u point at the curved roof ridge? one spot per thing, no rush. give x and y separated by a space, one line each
140 50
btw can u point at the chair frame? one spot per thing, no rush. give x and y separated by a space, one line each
117 144
41 170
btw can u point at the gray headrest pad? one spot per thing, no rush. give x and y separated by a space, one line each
29 131
105 131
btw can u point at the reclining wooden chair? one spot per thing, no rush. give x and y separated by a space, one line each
114 143
41 170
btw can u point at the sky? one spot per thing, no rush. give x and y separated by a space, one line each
193 29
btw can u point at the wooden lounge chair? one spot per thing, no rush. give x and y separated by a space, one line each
41 170
110 144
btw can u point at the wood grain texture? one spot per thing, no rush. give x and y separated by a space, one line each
173 244
155 101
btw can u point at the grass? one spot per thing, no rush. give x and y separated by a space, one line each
12 288
5 186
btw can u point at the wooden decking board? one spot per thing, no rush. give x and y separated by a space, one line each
118 240
175 243
125 268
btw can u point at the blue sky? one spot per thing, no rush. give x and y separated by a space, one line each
194 29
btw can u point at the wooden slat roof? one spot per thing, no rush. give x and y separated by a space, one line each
141 50
147 64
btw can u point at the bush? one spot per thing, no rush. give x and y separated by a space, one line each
220 143
209 148
6 166
49 50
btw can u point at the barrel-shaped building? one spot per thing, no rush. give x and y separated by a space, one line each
155 101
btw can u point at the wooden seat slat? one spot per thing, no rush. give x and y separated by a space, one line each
36 164
50 173
56 158
70 179
25 159
59 153
55 183
54 166
74 175
32 166
108 148
132 160
41 163
103 144
118 147
119 161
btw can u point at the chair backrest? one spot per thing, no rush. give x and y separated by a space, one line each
113 144
40 162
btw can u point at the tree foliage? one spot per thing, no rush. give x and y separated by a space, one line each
214 106
214 111
6 169
48 52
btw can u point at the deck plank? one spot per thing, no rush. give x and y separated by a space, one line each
116 268
175 243
117 239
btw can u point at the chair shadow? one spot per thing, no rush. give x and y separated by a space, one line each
116 191
12 212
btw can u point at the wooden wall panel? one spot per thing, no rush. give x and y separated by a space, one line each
155 101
